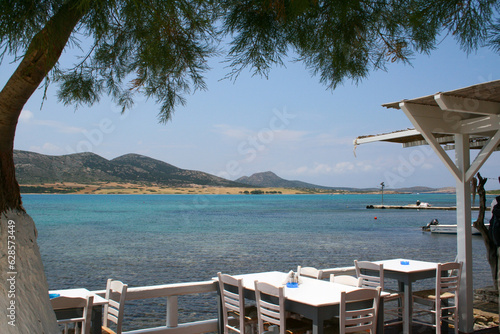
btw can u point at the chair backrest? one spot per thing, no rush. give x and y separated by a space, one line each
85 304
346 280
116 292
450 281
310 272
371 274
358 310
233 300
270 305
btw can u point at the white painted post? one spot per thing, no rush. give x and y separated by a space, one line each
464 236
172 311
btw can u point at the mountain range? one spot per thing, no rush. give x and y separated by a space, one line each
35 168
86 168
270 179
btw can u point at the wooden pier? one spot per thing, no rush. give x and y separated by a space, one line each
415 207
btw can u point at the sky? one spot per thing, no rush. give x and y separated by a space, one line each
289 124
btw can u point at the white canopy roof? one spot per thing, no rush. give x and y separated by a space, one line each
459 119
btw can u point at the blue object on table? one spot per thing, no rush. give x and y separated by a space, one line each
53 295
405 263
292 285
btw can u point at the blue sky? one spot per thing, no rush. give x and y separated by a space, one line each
289 124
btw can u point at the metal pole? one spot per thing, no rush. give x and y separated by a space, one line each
383 185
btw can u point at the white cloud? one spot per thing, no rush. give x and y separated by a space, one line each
230 132
26 116
328 139
345 167
48 148
264 135
427 166
289 135
60 127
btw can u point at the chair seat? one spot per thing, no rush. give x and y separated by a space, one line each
431 294
107 330
294 326
250 313
393 295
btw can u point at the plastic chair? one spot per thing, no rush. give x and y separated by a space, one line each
271 310
359 319
443 300
372 276
346 280
310 272
116 292
233 304
75 302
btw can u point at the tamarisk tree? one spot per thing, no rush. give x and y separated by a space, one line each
492 249
160 48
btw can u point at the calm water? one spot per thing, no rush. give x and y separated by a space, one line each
160 239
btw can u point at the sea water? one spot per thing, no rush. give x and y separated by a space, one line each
160 239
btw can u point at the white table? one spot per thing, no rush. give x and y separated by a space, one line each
314 299
96 309
406 274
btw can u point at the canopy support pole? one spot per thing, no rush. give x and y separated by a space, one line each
464 235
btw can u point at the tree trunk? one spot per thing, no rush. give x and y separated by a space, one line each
23 286
491 249
24 290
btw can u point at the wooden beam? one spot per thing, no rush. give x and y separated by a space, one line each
435 119
480 124
425 129
483 155
467 105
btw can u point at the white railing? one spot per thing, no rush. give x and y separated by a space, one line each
171 292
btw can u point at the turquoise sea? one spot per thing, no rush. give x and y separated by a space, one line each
159 239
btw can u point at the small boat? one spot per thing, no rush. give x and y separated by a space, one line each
435 227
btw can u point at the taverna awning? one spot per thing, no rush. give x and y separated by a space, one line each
461 119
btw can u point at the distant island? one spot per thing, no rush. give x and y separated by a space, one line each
89 173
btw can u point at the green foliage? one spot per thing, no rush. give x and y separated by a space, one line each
348 38
156 48
48 190
160 48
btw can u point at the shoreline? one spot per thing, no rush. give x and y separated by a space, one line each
116 188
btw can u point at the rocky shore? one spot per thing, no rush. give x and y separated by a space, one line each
486 311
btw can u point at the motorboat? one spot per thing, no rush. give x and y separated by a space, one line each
435 227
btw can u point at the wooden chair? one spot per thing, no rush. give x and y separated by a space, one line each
310 272
359 319
443 300
372 276
233 305
116 292
271 310
85 304
346 280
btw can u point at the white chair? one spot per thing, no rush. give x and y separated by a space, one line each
359 319
116 292
443 300
310 272
372 276
271 310
346 280
233 304
85 304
